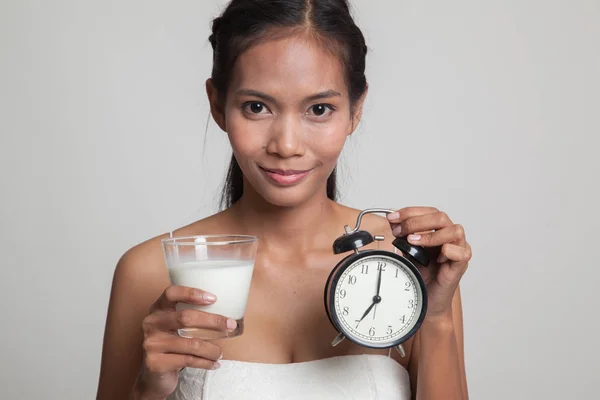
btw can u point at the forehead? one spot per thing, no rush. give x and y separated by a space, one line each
291 67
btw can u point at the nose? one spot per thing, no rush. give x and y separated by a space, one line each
285 138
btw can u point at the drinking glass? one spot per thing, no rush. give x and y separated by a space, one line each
219 264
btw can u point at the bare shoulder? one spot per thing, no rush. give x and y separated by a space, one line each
144 263
142 267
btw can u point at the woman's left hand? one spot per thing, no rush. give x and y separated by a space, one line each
447 245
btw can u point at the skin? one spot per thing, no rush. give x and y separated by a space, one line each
273 120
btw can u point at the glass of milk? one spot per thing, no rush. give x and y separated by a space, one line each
219 264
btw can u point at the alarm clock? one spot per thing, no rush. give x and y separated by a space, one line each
376 298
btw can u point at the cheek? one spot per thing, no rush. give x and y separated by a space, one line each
246 137
326 140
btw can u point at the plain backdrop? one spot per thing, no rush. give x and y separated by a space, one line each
489 110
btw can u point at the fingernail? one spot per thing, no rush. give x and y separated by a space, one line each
231 324
209 296
393 216
397 230
216 365
220 357
414 238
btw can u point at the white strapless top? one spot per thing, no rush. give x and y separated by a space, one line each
364 377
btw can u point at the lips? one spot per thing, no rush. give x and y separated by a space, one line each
286 172
285 177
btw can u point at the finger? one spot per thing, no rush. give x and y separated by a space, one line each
169 344
175 294
161 363
409 212
455 253
422 223
452 234
190 318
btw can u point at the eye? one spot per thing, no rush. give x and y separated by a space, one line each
254 107
320 110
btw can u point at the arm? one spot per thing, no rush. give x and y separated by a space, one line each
436 365
138 280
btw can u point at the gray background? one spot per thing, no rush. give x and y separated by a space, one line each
485 109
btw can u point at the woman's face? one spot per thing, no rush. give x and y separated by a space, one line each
287 115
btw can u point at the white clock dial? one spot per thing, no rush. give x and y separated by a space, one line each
372 321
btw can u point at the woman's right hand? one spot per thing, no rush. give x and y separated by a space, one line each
165 352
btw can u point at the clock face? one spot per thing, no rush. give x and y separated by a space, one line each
378 319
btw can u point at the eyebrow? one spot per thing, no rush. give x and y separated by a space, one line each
317 96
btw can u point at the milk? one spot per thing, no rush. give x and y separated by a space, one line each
229 280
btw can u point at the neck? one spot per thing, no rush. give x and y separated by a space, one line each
286 229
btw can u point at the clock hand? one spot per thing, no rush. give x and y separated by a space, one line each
377 298
379 282
368 310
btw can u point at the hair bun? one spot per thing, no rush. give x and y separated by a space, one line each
216 23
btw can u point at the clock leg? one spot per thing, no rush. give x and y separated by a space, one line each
338 339
400 349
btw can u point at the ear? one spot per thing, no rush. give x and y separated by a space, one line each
217 108
357 110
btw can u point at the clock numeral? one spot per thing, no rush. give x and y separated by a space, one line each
346 311
381 266
403 319
389 330
357 322
407 284
352 279
397 270
343 293
372 331
411 303
365 269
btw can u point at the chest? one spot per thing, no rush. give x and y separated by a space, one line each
285 319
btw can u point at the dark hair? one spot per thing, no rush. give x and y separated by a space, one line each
245 23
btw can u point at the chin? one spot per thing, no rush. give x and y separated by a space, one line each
286 197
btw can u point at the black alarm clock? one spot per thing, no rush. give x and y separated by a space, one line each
376 298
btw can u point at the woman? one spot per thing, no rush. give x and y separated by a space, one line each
288 87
